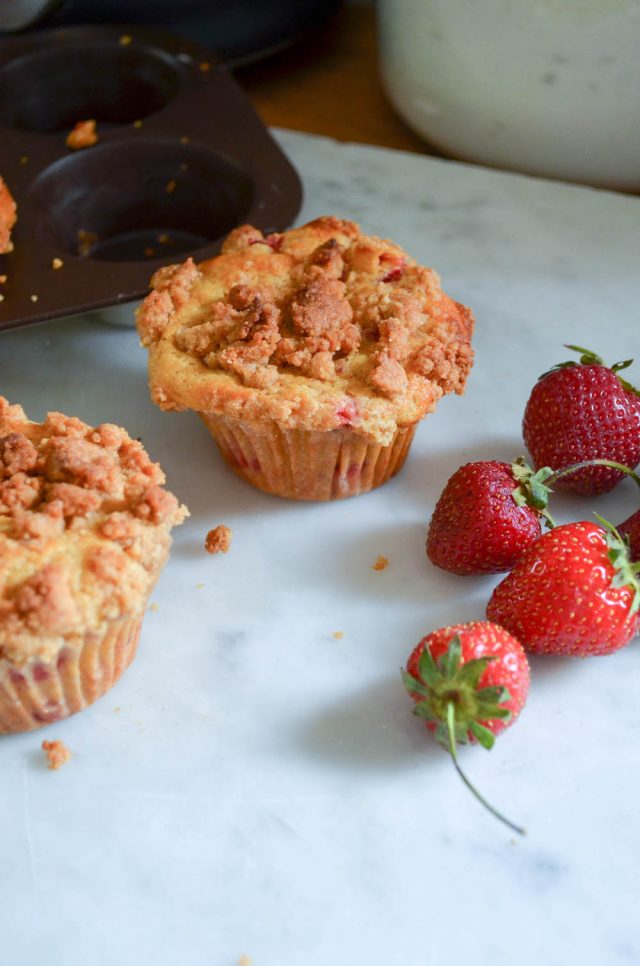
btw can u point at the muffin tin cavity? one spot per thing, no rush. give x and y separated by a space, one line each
181 158
147 200
50 90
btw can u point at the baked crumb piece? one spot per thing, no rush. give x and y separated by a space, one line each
137 123
125 40
86 241
205 66
171 186
245 961
218 540
338 635
3 279
57 263
82 135
57 754
24 159
34 298
381 563
154 607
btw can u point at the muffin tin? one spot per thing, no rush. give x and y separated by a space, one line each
181 159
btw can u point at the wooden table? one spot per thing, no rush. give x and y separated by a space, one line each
329 84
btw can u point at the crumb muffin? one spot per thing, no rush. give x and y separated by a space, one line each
310 355
84 533
7 218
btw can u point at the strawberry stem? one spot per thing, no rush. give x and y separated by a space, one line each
585 464
451 732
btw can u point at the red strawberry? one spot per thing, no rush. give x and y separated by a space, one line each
488 514
631 530
584 411
469 682
574 592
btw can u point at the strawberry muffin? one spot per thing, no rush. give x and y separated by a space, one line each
310 355
7 218
84 533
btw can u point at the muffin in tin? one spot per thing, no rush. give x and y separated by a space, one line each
8 213
310 355
84 532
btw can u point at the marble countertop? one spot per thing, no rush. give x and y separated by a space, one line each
254 786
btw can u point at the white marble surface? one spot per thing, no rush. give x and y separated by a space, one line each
255 786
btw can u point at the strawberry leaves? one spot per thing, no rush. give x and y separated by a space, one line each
449 680
532 490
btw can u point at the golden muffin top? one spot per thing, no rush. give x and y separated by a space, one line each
320 327
84 530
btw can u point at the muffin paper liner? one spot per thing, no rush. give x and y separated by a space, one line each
39 692
305 464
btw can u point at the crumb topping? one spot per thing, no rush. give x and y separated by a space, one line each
305 325
218 540
84 529
8 216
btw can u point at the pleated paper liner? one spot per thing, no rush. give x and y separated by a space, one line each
305 464
39 693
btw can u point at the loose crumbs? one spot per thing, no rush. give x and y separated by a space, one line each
82 135
57 263
57 753
381 563
218 540
338 635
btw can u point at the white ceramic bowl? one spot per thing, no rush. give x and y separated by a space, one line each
547 87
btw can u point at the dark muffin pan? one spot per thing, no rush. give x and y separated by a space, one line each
181 159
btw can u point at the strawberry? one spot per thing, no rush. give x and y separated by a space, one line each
575 592
582 411
486 517
630 530
469 682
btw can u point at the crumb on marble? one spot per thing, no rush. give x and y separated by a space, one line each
154 607
57 754
218 540
245 960
381 563
199 586
338 635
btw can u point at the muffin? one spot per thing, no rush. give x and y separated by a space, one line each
310 355
84 533
7 218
